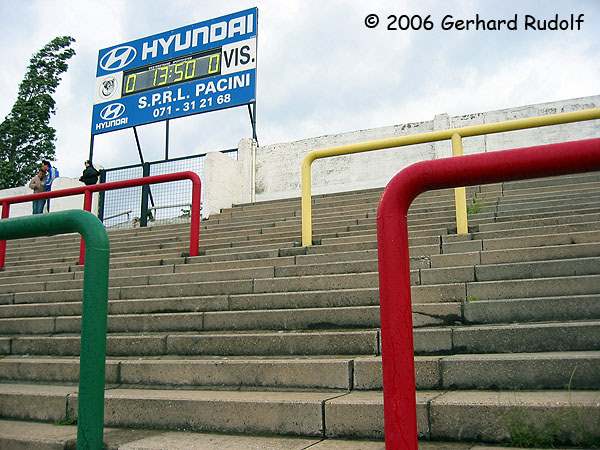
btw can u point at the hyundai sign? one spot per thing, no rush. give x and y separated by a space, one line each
202 67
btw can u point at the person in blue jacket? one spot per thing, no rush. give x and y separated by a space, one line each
51 175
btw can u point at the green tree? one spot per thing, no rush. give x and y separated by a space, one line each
25 134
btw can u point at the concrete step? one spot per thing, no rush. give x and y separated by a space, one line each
561 181
513 338
364 236
545 221
549 191
442 193
574 193
425 314
535 242
565 308
503 281
73 259
506 319
41 436
209 344
562 201
538 287
22 435
548 211
285 319
511 271
531 371
568 416
516 255
572 215
373 198
244 412
349 317
516 371
518 338
588 190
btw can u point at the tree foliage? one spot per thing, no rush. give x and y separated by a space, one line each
25 134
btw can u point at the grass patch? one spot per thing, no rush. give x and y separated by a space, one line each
471 298
474 207
551 433
66 421
525 435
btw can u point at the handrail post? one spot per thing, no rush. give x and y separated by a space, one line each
460 193
195 215
397 354
92 352
306 201
87 206
5 214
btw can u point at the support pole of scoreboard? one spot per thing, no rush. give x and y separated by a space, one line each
91 154
166 140
252 113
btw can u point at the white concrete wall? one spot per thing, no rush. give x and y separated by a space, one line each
278 165
227 181
19 209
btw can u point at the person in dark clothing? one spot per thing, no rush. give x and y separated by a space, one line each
90 174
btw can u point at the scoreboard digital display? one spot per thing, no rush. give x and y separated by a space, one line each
202 67
187 69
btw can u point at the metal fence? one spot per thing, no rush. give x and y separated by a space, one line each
149 205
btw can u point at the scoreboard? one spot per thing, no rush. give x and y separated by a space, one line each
202 67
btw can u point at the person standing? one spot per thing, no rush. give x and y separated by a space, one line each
37 185
51 175
90 174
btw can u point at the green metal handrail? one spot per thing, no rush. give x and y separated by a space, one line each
90 415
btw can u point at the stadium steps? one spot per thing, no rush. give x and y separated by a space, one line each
263 337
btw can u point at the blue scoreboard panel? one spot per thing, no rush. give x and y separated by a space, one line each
198 68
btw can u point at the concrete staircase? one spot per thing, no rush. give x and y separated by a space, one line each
261 337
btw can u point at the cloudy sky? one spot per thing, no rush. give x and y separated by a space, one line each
320 70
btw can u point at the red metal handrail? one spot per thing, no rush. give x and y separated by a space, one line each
87 203
394 265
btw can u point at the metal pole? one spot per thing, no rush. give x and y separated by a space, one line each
91 154
101 197
139 148
460 193
137 143
399 393
145 193
252 113
90 414
167 140
87 206
5 214
195 215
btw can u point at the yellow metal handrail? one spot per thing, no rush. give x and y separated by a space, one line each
455 134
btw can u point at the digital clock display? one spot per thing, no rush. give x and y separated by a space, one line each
178 71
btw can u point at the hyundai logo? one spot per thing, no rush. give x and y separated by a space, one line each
112 111
118 58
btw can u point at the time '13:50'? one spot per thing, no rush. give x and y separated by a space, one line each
206 102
